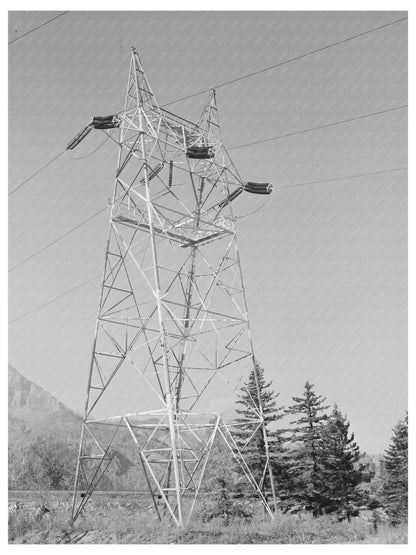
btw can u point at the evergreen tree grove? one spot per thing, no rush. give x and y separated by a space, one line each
395 489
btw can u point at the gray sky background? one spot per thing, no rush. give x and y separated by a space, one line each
325 265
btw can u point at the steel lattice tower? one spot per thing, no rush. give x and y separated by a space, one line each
172 340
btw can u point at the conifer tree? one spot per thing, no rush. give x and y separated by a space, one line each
305 468
395 462
341 469
248 428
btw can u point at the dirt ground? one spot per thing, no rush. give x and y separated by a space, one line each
45 519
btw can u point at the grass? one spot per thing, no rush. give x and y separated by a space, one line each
110 523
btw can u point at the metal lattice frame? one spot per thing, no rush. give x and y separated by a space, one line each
172 328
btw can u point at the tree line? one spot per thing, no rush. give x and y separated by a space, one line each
316 462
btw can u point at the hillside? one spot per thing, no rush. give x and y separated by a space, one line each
34 412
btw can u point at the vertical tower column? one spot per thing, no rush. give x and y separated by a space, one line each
170 402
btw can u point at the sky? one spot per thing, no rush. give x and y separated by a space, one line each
324 260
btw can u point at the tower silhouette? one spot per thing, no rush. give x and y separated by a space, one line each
172 343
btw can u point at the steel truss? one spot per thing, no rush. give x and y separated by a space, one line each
172 331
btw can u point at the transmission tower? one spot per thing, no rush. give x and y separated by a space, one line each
172 342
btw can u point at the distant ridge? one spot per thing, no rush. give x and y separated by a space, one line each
34 412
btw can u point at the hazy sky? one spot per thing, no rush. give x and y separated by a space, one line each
325 264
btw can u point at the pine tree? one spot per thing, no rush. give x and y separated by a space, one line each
305 470
248 428
341 469
395 462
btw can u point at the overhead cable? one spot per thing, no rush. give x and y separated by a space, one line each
376 172
38 27
36 172
324 126
59 238
288 61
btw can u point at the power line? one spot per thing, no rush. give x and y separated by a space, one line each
231 148
262 205
318 182
56 240
376 172
93 151
235 147
36 172
341 178
55 158
301 56
54 299
324 126
38 27
288 61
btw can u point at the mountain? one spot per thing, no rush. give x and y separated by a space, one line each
34 412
